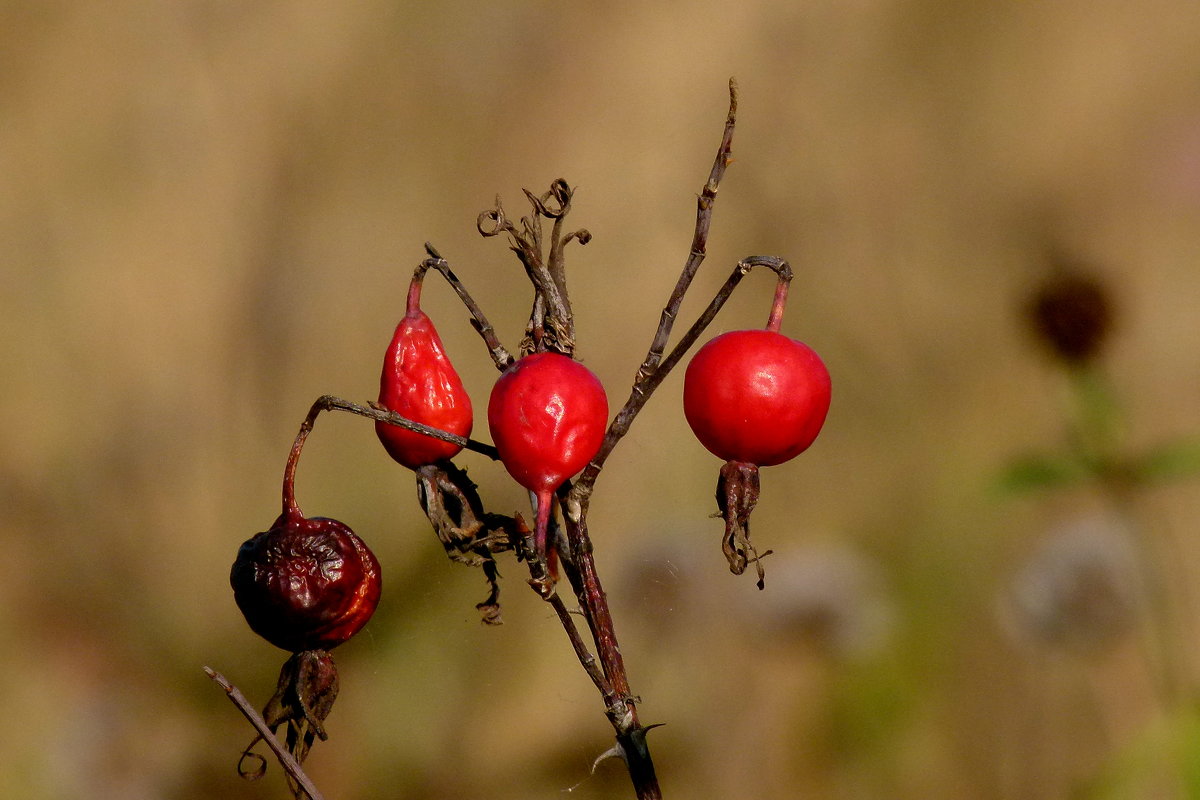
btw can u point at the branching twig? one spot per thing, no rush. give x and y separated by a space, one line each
500 356
551 323
621 705
773 263
286 761
543 584
652 371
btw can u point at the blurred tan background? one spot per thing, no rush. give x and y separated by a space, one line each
208 215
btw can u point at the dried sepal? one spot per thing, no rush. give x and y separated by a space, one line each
470 535
737 495
304 696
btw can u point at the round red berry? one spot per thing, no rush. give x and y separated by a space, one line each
547 416
756 396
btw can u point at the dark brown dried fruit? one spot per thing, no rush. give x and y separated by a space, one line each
306 584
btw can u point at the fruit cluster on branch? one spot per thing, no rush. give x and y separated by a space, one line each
753 398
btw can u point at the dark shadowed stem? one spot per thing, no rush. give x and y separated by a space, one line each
619 701
286 761
500 356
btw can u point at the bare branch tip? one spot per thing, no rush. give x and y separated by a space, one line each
219 679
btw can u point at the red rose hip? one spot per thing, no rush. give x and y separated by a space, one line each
756 396
306 584
419 382
547 416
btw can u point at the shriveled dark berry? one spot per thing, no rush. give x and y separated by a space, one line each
306 584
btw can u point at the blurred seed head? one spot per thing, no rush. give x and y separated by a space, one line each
829 597
1079 590
1072 315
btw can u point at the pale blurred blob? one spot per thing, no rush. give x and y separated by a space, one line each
1080 589
829 597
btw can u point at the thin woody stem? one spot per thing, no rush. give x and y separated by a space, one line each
644 381
541 582
704 211
500 356
586 659
620 703
329 402
290 765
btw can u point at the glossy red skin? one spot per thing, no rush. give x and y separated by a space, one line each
419 382
547 415
306 584
756 396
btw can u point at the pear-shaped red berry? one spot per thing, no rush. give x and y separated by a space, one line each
419 382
